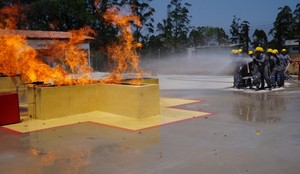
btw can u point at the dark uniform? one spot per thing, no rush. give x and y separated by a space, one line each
261 70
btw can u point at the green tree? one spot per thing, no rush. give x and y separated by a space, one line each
297 21
297 18
214 35
283 27
176 26
259 39
222 36
244 35
60 15
155 46
15 2
235 30
196 37
105 33
208 36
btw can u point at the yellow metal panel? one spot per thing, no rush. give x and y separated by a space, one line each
9 83
132 101
150 81
168 115
52 102
149 101
146 81
126 100
31 102
83 98
119 99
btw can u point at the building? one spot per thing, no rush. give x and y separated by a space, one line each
292 46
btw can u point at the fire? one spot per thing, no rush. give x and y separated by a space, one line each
123 54
17 57
70 63
9 16
67 54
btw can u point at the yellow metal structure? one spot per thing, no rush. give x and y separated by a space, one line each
125 100
150 81
8 84
146 81
168 114
128 100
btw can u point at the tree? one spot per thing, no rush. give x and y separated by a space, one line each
222 36
297 23
155 46
105 33
196 37
176 26
4 3
259 39
213 35
283 27
244 35
235 30
60 15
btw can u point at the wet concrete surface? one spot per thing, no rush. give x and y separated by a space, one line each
248 132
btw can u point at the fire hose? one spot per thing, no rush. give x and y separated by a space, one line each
289 77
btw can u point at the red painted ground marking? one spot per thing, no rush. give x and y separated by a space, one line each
126 129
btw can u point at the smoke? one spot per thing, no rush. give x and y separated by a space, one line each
202 62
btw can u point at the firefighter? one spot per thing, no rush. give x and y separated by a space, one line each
256 73
273 64
287 60
260 70
285 56
268 65
277 75
246 70
237 79
251 54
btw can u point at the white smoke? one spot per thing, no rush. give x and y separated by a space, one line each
212 62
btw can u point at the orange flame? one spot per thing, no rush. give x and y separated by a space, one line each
9 16
123 55
16 57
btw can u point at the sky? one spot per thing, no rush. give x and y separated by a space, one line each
219 13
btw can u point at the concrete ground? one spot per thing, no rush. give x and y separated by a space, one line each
249 132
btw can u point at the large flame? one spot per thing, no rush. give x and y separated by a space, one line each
69 64
123 55
17 57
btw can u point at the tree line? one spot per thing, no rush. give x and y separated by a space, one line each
171 35
285 27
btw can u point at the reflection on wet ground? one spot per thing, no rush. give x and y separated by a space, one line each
237 138
259 107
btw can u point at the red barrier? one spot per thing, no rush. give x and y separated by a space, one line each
9 108
298 61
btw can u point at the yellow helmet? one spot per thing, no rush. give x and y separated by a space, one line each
233 51
275 51
259 49
250 52
283 50
239 50
269 50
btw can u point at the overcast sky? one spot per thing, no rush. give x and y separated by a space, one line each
219 13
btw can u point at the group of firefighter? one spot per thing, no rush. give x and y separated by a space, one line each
261 70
